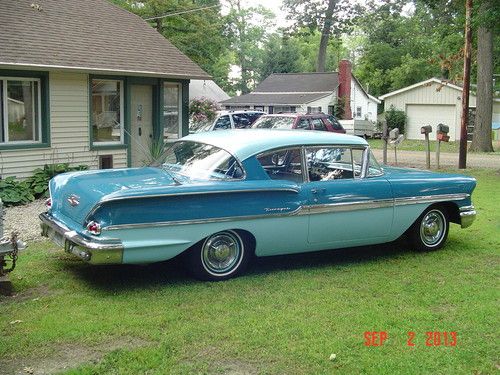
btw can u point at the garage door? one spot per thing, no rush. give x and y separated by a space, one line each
420 115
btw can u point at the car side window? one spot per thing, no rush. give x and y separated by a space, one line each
329 163
357 161
334 122
284 164
223 123
303 124
318 124
242 120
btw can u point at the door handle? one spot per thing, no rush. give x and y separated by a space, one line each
318 190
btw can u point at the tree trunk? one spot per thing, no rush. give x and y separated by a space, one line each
325 36
481 140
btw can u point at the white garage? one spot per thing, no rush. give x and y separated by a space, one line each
425 114
432 102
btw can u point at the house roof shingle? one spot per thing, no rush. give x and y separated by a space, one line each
290 89
299 82
275 99
90 35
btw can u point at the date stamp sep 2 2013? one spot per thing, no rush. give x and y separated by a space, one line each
429 338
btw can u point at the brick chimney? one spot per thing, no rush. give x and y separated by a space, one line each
344 94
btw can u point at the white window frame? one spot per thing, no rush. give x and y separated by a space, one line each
179 111
5 110
359 111
122 120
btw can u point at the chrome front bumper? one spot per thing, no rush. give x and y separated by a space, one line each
467 216
94 251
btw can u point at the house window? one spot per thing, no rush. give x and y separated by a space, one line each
313 109
259 108
172 110
358 112
107 111
282 109
20 110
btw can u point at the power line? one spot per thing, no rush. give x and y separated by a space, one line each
181 12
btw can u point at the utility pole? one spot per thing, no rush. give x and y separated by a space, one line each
462 156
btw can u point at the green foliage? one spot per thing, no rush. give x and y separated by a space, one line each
203 110
281 55
396 119
14 192
17 192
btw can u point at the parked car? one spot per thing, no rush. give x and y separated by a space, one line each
227 120
219 198
302 121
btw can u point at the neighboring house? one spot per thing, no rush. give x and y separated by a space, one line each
86 82
206 88
310 92
432 102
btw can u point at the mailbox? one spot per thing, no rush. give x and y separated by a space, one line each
426 129
441 128
394 133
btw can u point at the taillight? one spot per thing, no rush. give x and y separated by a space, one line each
94 228
48 203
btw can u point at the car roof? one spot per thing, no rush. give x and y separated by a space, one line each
244 143
227 112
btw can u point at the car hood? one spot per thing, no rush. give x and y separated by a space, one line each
75 194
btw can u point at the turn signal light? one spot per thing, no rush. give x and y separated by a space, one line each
48 203
94 228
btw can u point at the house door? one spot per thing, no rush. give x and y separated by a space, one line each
141 130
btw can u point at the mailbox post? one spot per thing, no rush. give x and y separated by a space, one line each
395 139
426 130
442 136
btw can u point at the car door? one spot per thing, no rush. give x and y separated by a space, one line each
345 209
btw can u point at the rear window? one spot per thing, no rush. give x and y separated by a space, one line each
274 122
334 122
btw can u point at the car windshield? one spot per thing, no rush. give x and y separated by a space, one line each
199 161
274 122
199 126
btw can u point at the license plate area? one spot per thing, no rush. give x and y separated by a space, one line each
56 237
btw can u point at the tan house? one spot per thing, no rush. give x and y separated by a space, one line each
432 102
86 82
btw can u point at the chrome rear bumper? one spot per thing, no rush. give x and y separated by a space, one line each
467 216
94 251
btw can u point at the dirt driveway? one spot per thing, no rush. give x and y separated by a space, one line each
416 159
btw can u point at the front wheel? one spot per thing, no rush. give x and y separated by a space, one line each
430 230
218 257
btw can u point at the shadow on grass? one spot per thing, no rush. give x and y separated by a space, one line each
118 278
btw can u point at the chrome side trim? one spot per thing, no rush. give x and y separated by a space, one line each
106 251
203 221
430 199
467 216
349 206
305 210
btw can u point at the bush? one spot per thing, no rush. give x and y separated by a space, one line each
203 110
15 192
396 119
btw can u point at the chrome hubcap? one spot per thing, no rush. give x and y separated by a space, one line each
221 252
432 228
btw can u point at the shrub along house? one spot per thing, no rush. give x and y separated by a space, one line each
86 82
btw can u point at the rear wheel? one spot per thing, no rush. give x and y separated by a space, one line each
430 230
218 257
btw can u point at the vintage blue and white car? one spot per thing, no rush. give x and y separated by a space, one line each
219 198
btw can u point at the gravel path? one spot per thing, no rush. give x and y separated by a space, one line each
24 220
416 159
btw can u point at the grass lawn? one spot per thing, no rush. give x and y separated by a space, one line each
420 145
287 315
